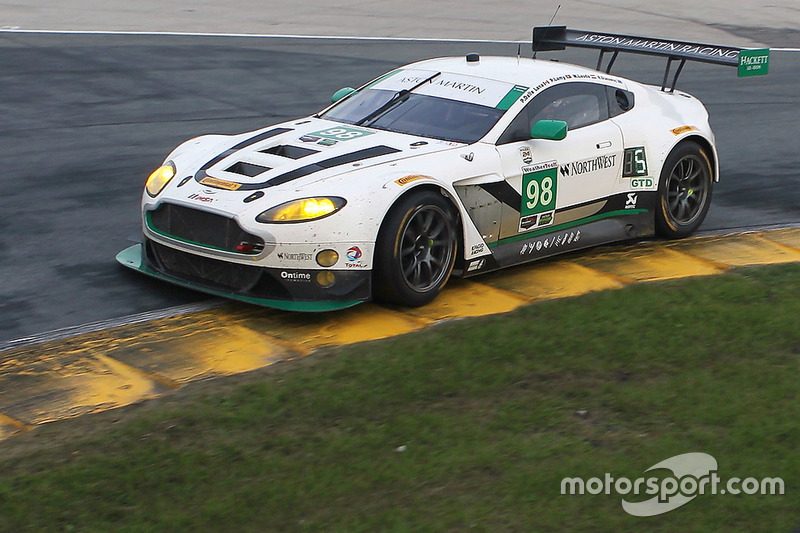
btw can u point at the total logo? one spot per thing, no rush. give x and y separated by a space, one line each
354 253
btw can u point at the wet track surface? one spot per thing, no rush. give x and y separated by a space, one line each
85 118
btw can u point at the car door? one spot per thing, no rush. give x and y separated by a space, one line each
560 181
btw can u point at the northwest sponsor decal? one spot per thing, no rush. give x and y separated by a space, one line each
588 165
299 256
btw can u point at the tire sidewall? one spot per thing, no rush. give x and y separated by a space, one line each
389 284
666 226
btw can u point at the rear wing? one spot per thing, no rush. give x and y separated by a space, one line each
749 62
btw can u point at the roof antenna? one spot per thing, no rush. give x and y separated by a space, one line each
558 8
519 52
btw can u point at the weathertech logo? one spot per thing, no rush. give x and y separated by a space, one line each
588 165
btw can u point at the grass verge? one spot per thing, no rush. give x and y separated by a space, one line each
490 415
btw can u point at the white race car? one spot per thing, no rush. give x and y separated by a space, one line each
451 166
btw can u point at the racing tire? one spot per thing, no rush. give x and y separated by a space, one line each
684 191
416 249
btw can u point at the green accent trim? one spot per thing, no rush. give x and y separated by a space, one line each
132 258
566 225
511 97
148 221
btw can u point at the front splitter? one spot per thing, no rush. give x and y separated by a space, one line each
132 258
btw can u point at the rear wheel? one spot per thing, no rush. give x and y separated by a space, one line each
684 193
416 249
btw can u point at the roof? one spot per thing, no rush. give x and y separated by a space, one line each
525 71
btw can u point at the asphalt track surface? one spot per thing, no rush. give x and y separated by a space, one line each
86 117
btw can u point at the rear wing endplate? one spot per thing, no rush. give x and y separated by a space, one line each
749 62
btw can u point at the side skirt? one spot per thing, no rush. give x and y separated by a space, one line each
607 228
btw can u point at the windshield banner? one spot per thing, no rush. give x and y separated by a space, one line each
481 91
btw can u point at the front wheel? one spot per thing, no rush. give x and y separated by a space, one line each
684 192
416 249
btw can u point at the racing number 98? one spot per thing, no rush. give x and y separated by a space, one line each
540 191
342 134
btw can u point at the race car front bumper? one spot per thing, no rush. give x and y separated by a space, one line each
278 288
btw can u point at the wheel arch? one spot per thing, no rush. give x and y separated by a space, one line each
435 187
707 146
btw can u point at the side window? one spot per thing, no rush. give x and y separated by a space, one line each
619 101
577 104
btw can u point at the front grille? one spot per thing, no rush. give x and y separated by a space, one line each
210 272
203 228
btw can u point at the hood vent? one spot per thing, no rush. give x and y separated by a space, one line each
375 151
247 169
292 152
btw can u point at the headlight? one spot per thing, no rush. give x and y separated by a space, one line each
302 210
159 178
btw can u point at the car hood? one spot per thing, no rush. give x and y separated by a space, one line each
297 153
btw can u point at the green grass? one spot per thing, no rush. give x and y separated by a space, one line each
487 410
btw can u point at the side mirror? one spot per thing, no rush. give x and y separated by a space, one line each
549 130
341 93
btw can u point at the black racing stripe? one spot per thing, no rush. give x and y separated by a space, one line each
375 151
504 193
200 174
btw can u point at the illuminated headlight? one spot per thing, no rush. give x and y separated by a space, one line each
159 178
302 210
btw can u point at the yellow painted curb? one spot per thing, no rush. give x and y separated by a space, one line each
650 263
122 365
10 426
552 280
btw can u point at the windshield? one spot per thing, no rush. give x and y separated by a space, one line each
446 106
418 114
